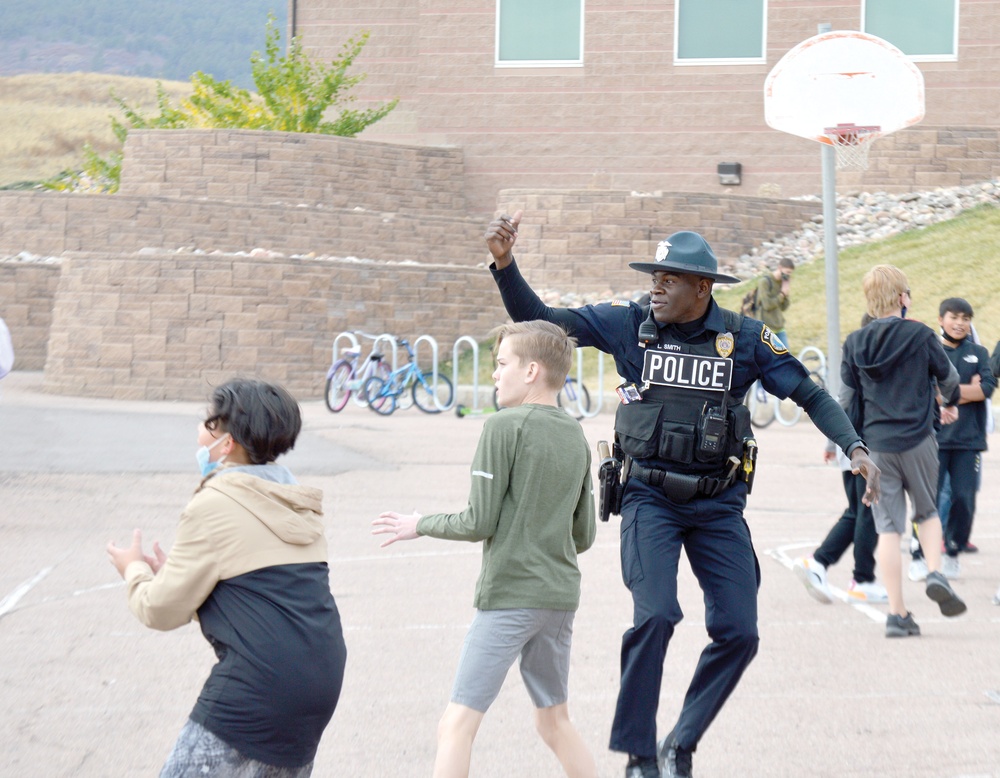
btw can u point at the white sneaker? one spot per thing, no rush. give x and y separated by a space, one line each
813 575
872 591
949 566
918 570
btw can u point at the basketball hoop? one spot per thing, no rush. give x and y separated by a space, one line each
852 144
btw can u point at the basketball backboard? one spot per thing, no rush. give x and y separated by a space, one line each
843 78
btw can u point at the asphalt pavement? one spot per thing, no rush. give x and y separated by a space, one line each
86 691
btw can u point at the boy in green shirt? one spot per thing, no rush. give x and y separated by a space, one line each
532 505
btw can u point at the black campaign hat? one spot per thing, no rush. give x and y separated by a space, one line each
685 252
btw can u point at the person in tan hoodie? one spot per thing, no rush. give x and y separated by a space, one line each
249 563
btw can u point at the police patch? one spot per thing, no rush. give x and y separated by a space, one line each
772 342
724 344
687 371
620 303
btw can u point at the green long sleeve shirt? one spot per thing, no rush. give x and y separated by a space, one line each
532 504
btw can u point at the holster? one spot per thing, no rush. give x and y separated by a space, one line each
609 473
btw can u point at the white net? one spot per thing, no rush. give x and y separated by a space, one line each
852 145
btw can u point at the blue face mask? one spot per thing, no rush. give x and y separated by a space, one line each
203 454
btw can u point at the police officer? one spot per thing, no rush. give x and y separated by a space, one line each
687 442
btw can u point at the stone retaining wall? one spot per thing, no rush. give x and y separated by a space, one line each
582 241
169 326
50 223
294 168
27 290
922 158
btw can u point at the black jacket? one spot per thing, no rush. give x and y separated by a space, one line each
893 364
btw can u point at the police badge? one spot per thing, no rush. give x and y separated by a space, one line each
724 344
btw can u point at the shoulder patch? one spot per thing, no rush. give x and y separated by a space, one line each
620 303
772 342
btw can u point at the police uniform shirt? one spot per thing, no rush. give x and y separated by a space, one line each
613 328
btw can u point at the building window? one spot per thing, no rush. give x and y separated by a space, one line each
539 34
924 30
717 31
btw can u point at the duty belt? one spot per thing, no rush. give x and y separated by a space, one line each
680 487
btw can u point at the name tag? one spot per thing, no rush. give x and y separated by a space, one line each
687 371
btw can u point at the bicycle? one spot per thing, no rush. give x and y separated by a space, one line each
765 408
573 398
343 379
385 394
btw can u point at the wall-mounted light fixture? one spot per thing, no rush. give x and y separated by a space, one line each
730 173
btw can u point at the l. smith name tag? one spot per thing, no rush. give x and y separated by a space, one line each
687 371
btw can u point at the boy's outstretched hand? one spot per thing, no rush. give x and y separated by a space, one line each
123 557
396 524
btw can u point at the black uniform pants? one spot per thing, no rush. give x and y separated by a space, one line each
856 525
717 542
961 466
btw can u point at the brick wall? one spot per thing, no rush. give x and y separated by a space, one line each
27 290
584 240
292 169
168 327
629 117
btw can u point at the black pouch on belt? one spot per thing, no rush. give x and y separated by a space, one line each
609 473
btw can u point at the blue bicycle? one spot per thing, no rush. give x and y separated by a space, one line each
408 386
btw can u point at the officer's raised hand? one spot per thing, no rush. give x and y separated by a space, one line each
501 236
862 463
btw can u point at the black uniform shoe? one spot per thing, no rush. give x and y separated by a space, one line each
641 768
674 761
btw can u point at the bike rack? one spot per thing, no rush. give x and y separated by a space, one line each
350 337
813 353
475 368
434 369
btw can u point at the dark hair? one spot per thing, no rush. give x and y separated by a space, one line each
955 305
786 262
263 418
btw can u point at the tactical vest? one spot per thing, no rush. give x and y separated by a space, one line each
684 387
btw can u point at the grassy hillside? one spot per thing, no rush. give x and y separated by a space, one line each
46 119
957 258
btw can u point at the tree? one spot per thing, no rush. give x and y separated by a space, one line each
294 94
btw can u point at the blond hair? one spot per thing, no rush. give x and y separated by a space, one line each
883 285
542 342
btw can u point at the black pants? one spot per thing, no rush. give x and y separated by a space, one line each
962 468
717 542
855 525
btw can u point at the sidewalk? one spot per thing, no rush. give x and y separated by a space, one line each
88 692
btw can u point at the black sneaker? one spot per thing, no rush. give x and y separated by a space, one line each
900 626
939 590
641 768
674 761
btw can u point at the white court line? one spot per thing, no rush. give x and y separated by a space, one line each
8 602
779 555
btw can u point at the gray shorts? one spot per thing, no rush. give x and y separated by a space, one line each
914 472
495 639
